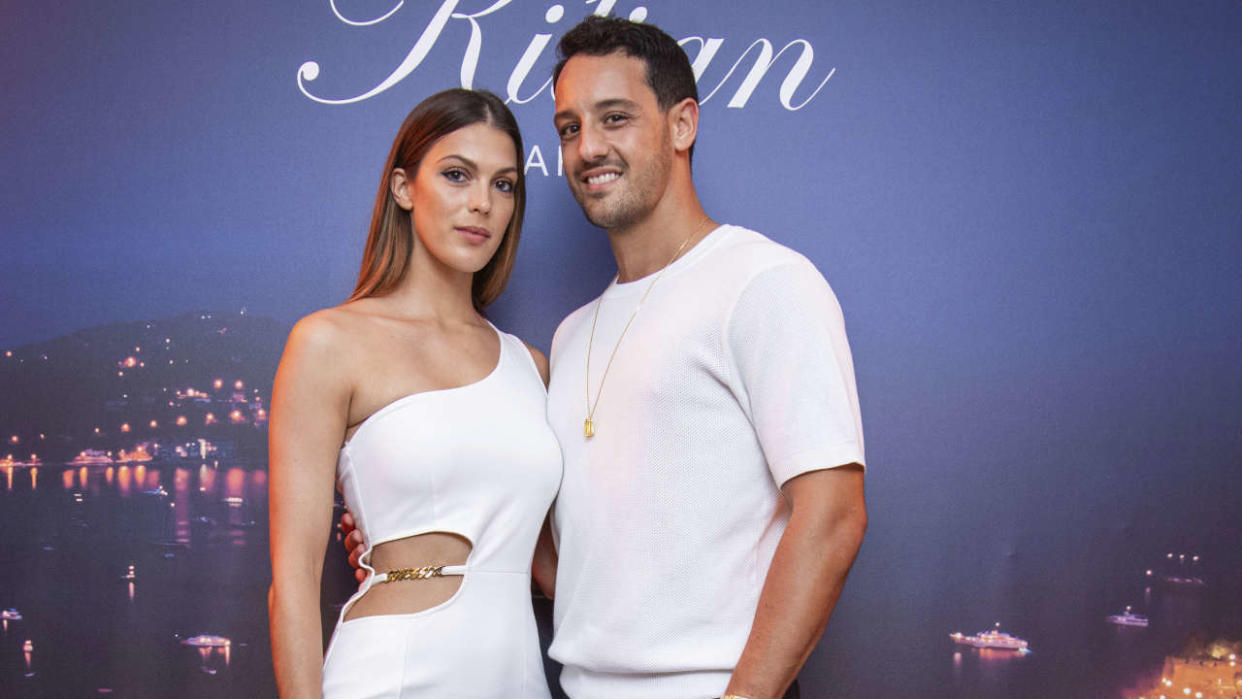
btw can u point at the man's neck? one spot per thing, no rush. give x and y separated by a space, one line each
650 245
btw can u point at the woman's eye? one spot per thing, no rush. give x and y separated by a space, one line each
505 186
455 175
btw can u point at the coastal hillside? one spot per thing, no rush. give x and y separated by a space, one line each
177 388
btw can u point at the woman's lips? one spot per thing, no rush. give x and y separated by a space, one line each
474 234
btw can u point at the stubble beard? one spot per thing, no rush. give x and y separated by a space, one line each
624 209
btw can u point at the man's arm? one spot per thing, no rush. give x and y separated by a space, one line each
814 556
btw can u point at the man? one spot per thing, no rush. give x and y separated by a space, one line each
712 499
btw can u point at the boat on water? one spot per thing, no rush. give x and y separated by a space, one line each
1128 618
91 457
1183 581
994 638
207 641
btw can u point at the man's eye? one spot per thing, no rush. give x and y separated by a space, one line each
614 119
568 130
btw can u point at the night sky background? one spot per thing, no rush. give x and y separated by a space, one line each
1031 213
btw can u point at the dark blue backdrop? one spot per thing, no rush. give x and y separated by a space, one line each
1029 211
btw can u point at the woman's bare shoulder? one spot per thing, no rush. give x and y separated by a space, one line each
331 334
541 360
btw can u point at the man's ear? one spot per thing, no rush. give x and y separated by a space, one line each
399 184
683 120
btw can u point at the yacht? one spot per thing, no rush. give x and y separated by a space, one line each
91 457
995 638
1128 618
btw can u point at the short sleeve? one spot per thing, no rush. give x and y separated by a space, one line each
793 372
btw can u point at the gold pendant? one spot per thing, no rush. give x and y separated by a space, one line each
588 428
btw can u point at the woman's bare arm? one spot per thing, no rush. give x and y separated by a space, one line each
310 406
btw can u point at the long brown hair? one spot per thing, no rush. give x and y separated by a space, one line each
390 239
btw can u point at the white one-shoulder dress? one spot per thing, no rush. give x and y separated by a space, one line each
478 461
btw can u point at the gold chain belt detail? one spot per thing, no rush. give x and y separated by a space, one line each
415 573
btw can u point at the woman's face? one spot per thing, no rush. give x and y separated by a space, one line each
461 197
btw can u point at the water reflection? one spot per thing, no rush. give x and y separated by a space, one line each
129 577
258 484
152 478
235 482
181 506
211 648
192 532
124 481
28 652
206 480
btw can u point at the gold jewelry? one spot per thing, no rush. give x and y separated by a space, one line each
588 425
415 573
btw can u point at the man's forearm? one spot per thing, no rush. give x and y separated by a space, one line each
803 584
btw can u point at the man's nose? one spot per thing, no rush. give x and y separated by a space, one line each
592 145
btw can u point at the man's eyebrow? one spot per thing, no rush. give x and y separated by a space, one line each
616 102
599 106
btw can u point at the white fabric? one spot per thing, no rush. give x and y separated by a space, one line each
735 377
478 461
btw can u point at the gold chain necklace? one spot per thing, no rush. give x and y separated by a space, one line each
588 425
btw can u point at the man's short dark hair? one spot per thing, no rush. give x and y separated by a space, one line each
668 68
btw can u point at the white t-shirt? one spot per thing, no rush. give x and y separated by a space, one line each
734 377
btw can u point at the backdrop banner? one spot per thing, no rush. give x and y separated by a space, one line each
1028 210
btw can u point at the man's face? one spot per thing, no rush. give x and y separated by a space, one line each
615 144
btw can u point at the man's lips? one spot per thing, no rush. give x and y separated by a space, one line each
597 179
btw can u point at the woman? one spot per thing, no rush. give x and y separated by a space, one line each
431 422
